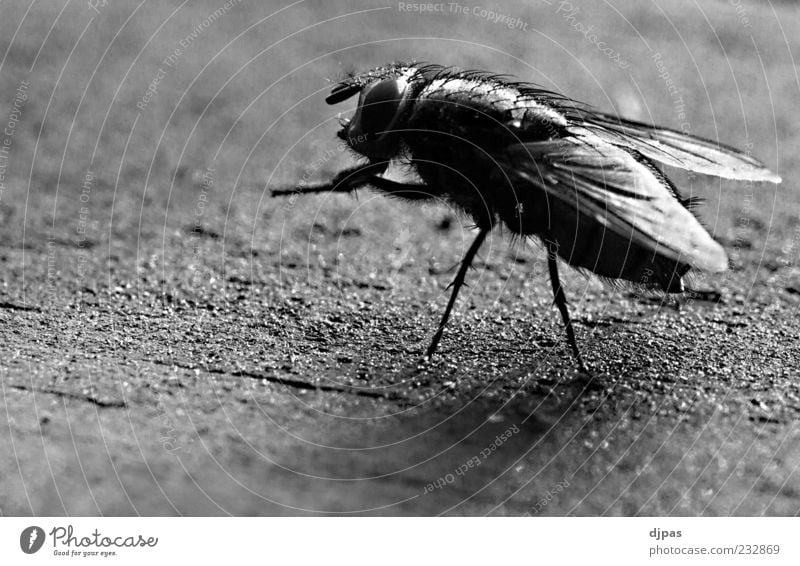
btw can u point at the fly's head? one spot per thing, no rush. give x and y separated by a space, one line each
384 94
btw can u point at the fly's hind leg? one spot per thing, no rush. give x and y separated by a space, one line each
457 283
561 303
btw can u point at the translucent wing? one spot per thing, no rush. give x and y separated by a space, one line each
617 188
673 148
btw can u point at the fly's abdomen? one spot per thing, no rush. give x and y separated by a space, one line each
586 244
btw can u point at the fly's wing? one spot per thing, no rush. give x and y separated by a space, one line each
674 148
611 186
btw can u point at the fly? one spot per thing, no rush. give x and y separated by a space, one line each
583 182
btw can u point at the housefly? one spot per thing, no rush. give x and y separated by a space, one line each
586 183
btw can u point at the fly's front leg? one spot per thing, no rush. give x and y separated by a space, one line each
344 182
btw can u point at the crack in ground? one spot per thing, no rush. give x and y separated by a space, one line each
68 395
288 382
16 307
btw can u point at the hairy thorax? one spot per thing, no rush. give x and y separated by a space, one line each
454 132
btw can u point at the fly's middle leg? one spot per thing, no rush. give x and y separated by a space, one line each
561 302
457 283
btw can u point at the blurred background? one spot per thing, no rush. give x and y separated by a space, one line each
177 342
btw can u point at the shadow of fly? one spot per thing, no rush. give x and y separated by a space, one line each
586 183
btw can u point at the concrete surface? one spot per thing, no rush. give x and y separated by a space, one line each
176 342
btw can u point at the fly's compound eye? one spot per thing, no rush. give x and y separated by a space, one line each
379 106
377 112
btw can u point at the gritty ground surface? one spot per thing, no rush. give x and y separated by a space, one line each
198 348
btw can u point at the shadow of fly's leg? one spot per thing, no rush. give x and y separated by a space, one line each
456 285
561 302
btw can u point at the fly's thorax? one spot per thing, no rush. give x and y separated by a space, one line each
489 95
486 113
